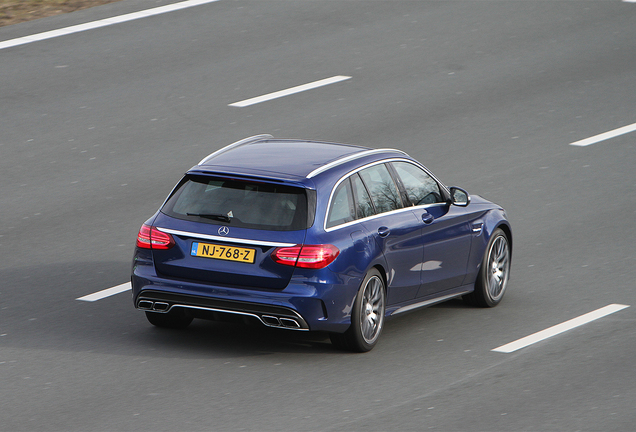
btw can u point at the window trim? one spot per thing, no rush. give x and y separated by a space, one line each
349 158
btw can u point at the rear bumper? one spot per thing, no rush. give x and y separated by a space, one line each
268 315
307 303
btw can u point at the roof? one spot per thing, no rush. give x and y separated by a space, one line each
287 157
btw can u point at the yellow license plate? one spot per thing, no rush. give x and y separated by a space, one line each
227 253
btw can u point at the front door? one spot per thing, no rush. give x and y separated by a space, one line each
446 248
446 236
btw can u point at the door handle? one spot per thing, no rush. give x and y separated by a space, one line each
427 218
383 231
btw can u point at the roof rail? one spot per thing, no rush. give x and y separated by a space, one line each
344 159
234 145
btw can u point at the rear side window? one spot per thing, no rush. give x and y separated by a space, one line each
363 200
381 187
238 203
341 209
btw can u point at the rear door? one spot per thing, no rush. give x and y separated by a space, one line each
225 230
396 230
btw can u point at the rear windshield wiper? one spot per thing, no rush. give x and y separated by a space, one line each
220 217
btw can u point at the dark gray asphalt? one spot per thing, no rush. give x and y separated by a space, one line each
96 127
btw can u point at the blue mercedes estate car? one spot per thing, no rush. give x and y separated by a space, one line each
316 236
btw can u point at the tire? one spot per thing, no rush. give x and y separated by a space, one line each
367 316
492 279
175 319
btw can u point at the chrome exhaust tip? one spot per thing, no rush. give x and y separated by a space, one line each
270 320
161 306
145 305
288 322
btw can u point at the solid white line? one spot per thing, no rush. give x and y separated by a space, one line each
560 328
605 136
106 293
103 23
290 91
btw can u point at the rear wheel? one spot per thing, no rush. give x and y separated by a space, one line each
175 319
495 269
367 316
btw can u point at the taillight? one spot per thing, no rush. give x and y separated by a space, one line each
306 256
151 238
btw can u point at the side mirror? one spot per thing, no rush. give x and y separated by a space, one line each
459 197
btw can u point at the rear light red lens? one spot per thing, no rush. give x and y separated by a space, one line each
143 238
151 238
306 256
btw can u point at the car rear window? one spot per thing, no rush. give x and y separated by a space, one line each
239 203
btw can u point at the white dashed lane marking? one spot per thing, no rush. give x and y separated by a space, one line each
560 328
605 136
102 23
297 89
106 293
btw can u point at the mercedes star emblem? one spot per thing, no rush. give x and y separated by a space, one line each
224 231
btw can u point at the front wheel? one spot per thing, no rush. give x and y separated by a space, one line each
495 269
367 316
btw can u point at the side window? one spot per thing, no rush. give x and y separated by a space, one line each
420 187
341 207
380 185
363 200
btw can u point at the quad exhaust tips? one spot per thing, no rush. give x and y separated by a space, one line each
286 322
153 306
273 321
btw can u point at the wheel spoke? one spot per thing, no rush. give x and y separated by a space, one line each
503 255
368 328
375 292
492 286
501 249
503 264
367 323
375 300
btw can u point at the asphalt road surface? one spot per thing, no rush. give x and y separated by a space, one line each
97 126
